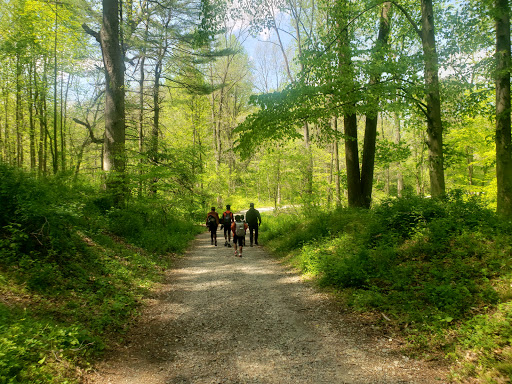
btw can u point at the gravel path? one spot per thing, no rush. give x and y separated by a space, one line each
225 319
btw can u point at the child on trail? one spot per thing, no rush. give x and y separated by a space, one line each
212 222
227 219
239 228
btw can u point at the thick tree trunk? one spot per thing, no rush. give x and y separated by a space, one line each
114 154
352 161
433 112
370 133
503 120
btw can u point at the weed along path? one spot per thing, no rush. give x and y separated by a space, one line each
223 319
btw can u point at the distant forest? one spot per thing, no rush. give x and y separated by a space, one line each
282 102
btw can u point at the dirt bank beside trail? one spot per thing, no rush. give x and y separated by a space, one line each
223 319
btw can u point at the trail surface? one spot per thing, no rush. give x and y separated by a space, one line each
229 320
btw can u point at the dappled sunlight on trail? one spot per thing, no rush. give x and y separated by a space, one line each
224 319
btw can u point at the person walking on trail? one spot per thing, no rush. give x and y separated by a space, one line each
212 222
227 219
239 228
253 218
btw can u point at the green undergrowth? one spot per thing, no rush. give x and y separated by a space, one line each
439 269
73 271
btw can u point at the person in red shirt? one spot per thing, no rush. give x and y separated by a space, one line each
227 219
239 228
212 221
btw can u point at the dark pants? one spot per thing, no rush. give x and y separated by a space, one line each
213 231
253 227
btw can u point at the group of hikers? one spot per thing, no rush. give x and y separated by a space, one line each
236 224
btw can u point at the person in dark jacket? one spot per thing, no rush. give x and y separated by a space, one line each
212 221
253 218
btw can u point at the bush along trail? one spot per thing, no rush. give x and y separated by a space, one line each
412 291
73 272
218 318
435 274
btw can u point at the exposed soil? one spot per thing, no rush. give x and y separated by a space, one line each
218 318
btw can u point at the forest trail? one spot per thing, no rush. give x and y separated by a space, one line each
218 318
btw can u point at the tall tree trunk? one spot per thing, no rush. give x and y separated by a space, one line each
399 176
2 141
370 134
337 178
19 113
503 120
32 128
114 157
63 105
156 122
142 79
141 118
55 81
114 154
6 156
352 161
41 116
309 164
433 112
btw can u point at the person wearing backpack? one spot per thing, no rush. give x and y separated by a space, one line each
253 218
239 228
212 222
227 219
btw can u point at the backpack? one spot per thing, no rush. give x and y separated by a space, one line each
239 229
212 221
227 219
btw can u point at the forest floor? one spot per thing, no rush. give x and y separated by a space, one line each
218 318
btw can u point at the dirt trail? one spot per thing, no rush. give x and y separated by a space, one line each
224 319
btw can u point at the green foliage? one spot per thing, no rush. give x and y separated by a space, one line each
33 349
152 226
73 270
438 268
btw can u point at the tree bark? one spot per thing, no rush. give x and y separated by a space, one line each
114 156
399 176
352 161
55 78
433 112
370 133
337 164
503 120
156 122
19 114
32 128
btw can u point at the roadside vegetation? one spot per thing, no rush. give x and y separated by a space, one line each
73 271
436 272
